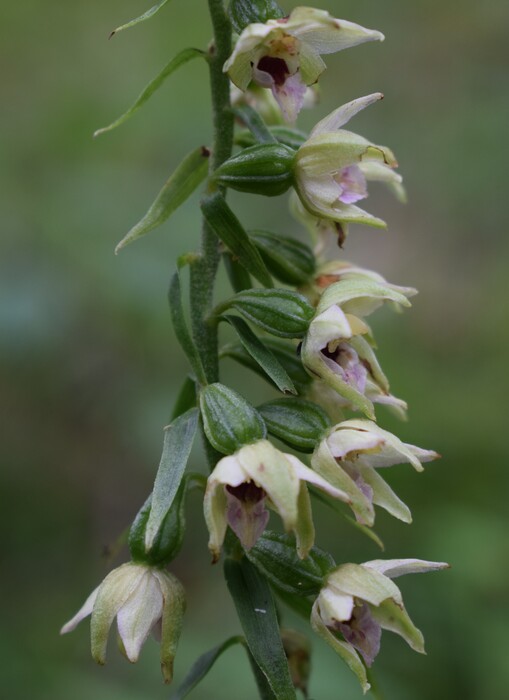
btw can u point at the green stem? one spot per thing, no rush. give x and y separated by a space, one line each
204 268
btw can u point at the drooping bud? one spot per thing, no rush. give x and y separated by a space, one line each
228 419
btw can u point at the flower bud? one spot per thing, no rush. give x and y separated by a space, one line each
228 419
263 169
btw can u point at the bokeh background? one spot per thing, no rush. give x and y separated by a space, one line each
90 367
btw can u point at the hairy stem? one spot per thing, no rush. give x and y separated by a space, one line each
204 268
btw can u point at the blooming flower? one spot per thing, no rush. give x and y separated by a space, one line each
358 601
143 599
335 348
349 457
333 166
257 475
284 54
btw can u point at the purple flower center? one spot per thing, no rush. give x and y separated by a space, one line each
246 512
363 632
275 67
345 362
352 184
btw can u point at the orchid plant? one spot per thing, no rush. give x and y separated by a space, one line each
300 318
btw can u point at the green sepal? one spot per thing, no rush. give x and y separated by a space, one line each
179 60
202 666
178 440
257 614
275 556
294 138
180 326
229 420
281 312
142 18
262 169
180 185
261 354
239 277
290 261
230 231
244 12
297 422
285 353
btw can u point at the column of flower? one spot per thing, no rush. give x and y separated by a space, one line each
306 334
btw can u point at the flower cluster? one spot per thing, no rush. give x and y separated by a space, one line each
322 359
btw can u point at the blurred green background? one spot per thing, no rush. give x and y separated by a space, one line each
89 365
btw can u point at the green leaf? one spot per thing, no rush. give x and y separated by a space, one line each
261 354
289 260
179 60
285 353
186 398
178 440
282 312
228 229
180 326
229 420
257 614
202 666
244 12
180 185
299 423
239 277
254 123
275 556
146 15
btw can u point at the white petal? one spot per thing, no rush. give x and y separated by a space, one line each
363 583
343 441
306 474
399 567
228 471
335 606
342 115
84 611
139 613
327 34
383 495
395 618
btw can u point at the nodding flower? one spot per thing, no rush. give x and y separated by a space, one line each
284 54
332 169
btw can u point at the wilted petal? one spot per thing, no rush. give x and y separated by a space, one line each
84 611
139 613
